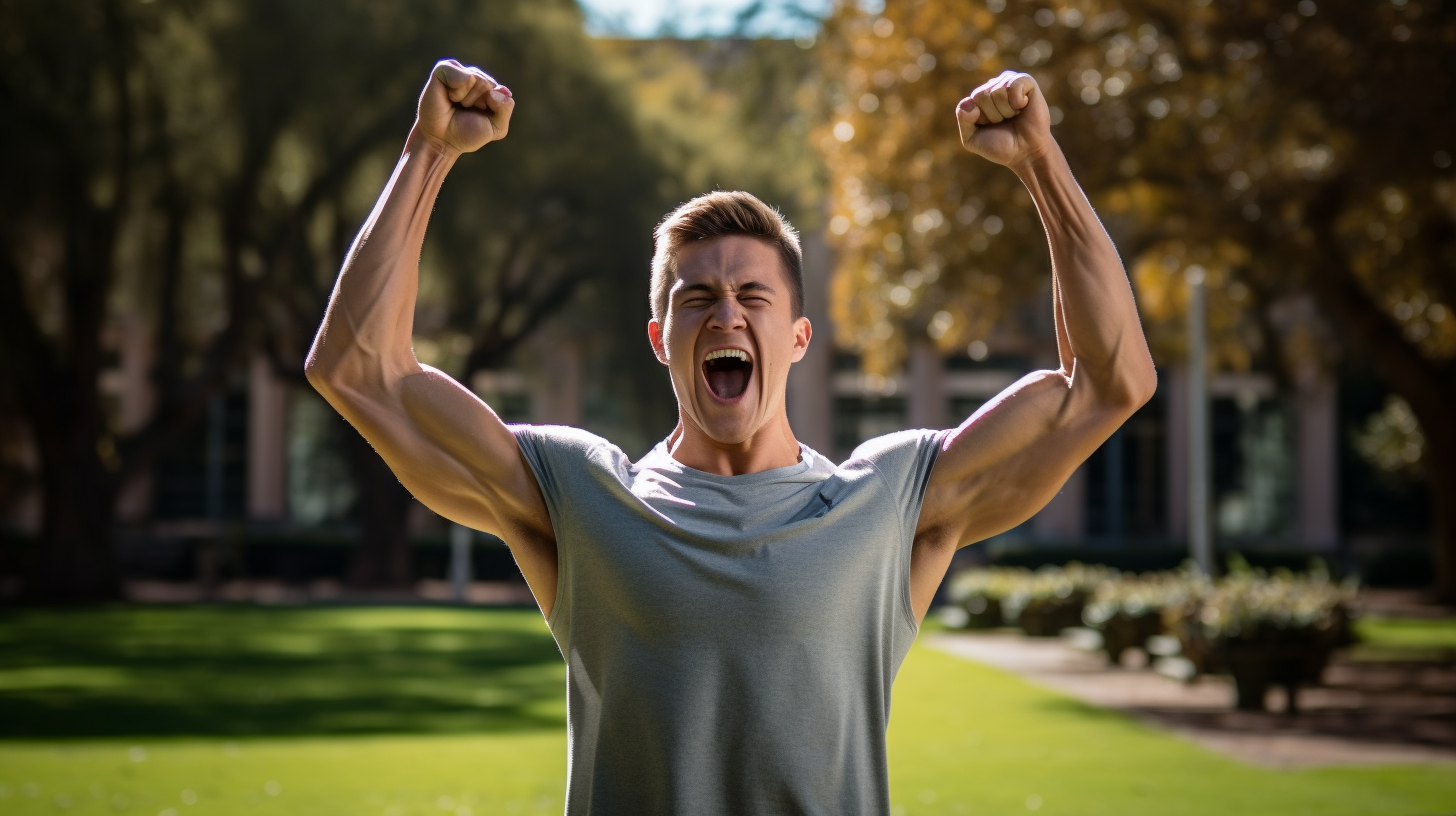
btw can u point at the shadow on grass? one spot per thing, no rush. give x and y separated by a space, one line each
248 671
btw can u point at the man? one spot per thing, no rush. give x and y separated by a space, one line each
733 607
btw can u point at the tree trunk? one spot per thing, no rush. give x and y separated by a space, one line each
1442 480
1428 385
1439 459
381 559
74 561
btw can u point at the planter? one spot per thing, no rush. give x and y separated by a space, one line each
1257 666
982 612
1047 617
1123 631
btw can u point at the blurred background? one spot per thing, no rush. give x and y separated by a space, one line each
195 548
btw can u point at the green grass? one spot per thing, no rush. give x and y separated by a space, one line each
385 711
969 739
1405 639
1414 633
240 671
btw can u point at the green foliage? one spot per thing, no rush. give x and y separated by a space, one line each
1391 439
731 114
185 178
1137 596
1251 606
1247 605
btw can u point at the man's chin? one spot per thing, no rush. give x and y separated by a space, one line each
727 424
723 434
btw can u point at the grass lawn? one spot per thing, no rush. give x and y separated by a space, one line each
1433 638
241 710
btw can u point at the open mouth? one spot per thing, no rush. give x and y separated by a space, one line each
727 372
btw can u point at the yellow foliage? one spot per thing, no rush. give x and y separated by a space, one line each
1241 141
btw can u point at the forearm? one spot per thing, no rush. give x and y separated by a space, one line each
1096 316
366 332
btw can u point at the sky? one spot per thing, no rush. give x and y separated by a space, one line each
703 18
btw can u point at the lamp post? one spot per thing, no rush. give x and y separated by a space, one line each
1200 529
460 536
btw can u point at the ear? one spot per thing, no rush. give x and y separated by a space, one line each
654 336
803 331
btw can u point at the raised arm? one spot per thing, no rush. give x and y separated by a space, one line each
446 446
1011 457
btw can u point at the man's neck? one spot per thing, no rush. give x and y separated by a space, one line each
772 446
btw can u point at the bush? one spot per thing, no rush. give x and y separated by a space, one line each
1128 610
1264 628
979 593
1052 599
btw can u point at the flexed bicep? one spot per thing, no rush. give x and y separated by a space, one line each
456 456
1006 461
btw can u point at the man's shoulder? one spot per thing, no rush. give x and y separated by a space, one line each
908 443
565 444
559 434
902 461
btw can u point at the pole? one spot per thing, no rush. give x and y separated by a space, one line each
1200 530
460 536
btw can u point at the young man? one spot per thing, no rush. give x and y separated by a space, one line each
733 607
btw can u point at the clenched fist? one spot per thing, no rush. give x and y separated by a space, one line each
1006 120
463 108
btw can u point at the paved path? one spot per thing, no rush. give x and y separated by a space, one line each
1365 714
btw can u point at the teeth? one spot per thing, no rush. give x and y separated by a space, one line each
738 353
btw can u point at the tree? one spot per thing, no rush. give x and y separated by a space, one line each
88 165
732 113
566 203
1292 151
197 168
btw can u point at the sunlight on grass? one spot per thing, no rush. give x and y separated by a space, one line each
966 739
1407 632
389 776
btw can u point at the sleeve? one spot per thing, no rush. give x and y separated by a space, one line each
538 451
904 460
556 454
560 459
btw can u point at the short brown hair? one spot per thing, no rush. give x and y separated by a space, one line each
715 215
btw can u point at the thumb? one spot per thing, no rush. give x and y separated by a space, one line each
501 104
1019 92
967 116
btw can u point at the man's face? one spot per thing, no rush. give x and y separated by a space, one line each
730 336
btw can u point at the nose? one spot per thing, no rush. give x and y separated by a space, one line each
727 315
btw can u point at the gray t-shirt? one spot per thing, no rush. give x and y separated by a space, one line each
730 640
